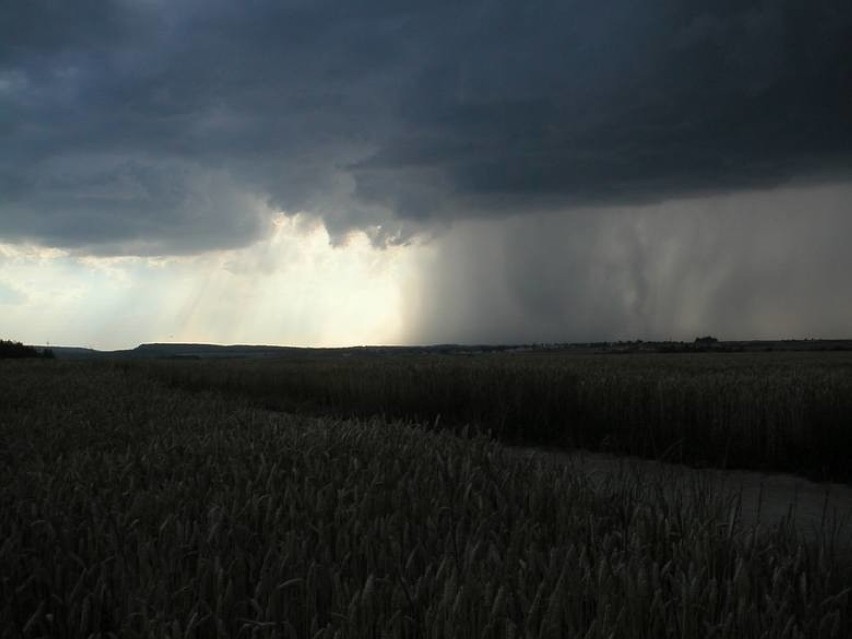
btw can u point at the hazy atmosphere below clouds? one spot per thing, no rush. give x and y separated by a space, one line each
331 173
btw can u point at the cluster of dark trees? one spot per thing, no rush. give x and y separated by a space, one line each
16 350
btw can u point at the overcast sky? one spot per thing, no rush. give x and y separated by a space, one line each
320 172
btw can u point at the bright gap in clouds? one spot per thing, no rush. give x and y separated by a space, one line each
291 288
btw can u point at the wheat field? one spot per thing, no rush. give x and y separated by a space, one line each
130 507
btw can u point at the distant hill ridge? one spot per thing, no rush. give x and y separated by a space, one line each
168 350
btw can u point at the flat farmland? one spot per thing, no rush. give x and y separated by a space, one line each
778 411
390 498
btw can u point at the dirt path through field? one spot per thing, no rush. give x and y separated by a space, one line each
819 510
767 499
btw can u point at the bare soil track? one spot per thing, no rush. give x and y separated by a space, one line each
818 510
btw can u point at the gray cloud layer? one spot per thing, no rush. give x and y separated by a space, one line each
144 127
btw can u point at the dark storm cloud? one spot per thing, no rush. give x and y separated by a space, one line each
680 270
161 126
595 103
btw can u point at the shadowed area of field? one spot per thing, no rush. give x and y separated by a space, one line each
781 412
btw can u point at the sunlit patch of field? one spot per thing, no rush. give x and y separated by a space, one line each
130 508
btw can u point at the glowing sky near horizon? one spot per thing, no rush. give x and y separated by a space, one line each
292 287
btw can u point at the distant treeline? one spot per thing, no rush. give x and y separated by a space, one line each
16 350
